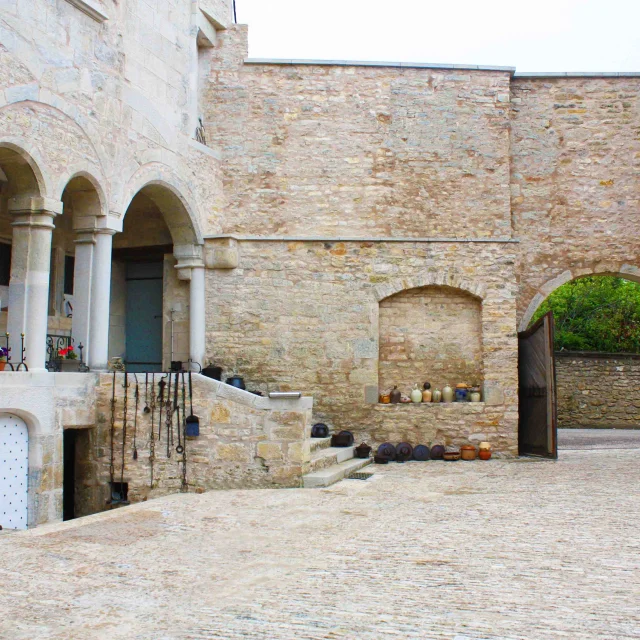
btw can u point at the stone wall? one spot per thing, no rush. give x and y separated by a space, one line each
360 151
305 316
245 441
430 333
598 390
575 156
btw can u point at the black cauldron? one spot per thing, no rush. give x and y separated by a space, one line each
387 450
363 451
437 452
212 372
236 381
404 451
421 453
320 430
342 439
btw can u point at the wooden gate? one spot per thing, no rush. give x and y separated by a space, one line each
537 428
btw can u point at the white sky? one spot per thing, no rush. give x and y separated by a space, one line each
532 35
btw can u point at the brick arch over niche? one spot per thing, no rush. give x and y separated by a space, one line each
430 333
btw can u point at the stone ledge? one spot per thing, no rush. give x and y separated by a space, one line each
244 238
413 405
372 63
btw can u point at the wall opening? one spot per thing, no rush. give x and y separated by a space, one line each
431 333
597 345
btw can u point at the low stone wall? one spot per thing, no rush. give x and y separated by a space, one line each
245 441
598 390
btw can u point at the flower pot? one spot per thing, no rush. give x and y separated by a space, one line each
468 452
3 364
68 366
484 454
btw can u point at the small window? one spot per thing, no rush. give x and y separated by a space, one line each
69 266
5 264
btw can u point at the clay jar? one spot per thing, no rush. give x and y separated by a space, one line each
396 395
468 452
484 454
385 398
475 395
436 396
447 394
416 394
426 395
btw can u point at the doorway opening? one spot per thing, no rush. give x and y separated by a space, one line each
78 477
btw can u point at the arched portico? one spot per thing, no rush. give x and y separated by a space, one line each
156 316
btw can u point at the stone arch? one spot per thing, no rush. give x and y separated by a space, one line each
622 270
32 93
30 155
159 182
88 173
438 277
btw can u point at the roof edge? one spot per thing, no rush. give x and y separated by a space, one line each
368 63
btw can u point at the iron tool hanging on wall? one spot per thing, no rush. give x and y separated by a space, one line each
135 419
192 428
152 441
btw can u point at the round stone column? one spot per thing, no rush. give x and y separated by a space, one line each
100 301
85 242
30 270
197 315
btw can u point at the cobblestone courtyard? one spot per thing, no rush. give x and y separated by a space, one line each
504 549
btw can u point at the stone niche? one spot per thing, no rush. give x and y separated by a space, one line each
430 333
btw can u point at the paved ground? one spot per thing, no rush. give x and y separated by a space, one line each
467 550
599 438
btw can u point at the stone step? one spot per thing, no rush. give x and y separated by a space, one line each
335 473
320 443
323 458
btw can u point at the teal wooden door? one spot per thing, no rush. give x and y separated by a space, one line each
143 326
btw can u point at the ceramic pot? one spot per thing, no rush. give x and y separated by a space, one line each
68 366
3 364
362 451
468 452
484 454
447 394
437 451
396 395
436 396
451 456
426 395
416 394
462 394
475 396
385 398
426 385
484 445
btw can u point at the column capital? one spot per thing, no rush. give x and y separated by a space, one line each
189 256
30 211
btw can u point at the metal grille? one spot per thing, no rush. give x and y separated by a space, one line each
14 465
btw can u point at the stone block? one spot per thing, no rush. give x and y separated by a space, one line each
270 451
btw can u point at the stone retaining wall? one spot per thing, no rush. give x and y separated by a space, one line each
245 441
598 390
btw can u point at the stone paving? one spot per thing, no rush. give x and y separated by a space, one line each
468 550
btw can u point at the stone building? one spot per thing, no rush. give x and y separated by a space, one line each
329 227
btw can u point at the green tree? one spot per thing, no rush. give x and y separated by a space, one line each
595 313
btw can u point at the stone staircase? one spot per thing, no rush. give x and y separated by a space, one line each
331 464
